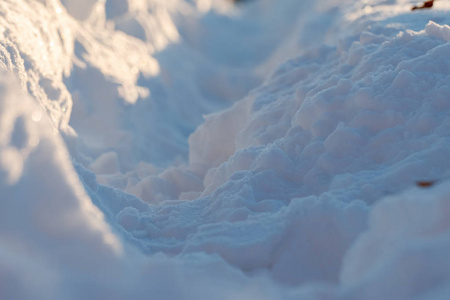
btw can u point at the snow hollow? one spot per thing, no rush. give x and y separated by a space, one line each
215 149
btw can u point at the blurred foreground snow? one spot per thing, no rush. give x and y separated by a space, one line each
191 149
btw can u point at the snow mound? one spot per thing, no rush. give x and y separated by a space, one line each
46 212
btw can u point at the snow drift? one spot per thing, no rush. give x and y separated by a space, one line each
200 149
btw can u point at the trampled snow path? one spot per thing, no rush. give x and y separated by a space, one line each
190 149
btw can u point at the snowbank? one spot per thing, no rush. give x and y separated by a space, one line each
197 150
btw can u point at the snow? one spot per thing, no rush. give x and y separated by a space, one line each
205 149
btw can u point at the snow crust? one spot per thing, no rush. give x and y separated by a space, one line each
200 149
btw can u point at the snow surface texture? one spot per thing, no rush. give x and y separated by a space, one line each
197 149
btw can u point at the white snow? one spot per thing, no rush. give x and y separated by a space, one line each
205 149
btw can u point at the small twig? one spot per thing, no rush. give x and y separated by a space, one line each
425 183
426 4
